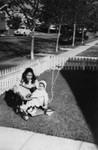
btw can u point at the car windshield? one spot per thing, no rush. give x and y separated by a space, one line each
22 28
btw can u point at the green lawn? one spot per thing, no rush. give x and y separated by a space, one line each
75 105
19 46
91 52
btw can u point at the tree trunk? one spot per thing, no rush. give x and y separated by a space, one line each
74 33
32 44
48 29
83 36
57 42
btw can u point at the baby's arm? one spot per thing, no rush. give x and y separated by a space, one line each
36 83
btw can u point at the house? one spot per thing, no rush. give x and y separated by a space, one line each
3 21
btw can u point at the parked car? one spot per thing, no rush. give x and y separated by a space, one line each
42 28
64 39
66 34
22 31
53 28
46 28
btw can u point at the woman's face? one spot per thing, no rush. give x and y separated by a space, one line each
29 76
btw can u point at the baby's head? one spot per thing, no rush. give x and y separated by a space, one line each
42 84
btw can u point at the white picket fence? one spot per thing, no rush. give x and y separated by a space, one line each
82 63
9 77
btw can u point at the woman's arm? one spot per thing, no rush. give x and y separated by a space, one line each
25 86
36 83
30 86
35 86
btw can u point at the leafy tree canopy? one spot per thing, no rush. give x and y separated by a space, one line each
82 12
30 8
70 11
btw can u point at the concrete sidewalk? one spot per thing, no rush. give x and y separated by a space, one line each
15 139
73 52
69 52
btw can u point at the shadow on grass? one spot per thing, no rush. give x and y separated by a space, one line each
84 85
12 49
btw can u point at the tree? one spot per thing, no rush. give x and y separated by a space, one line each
55 12
74 12
31 10
83 13
93 17
58 12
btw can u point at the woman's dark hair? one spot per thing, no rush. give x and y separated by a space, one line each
24 78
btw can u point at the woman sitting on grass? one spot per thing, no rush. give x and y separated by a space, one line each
32 93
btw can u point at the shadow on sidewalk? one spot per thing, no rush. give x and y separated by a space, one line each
84 85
